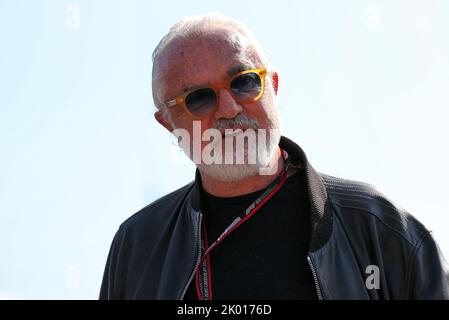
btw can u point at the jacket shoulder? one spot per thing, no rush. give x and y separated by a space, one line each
139 239
364 202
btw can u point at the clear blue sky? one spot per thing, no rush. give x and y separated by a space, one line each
363 89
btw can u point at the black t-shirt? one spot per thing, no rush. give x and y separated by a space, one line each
266 256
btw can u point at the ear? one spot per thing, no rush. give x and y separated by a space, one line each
275 79
159 116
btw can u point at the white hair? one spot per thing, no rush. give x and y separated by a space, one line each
195 26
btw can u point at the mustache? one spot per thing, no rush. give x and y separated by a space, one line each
240 121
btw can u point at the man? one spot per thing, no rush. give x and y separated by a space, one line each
258 222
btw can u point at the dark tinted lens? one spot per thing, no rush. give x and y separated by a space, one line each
247 86
201 102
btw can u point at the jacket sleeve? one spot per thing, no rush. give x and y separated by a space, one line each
429 278
111 287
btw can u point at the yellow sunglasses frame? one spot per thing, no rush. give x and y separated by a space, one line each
225 84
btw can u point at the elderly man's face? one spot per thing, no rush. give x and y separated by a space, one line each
207 60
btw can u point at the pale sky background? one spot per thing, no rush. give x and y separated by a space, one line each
363 89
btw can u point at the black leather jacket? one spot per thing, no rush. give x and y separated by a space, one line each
354 227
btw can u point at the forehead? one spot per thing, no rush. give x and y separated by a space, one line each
194 62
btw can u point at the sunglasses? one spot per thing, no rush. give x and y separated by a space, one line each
246 86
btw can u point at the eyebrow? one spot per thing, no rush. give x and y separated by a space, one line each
237 69
231 71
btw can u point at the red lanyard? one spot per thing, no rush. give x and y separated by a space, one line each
204 287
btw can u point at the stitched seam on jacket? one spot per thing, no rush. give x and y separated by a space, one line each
390 216
383 222
365 196
359 264
412 263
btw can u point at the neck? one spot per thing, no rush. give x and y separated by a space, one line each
245 185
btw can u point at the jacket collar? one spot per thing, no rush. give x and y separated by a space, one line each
321 218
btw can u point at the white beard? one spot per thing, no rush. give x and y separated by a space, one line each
264 163
255 158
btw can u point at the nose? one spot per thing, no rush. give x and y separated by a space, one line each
228 108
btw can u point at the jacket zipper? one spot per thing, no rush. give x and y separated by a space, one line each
198 242
315 279
198 259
